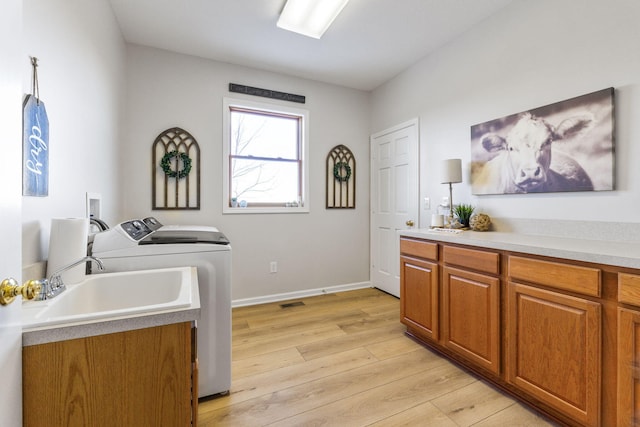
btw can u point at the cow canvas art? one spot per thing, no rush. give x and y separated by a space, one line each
566 146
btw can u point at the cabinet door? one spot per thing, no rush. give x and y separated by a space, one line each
471 313
628 367
553 350
419 295
133 378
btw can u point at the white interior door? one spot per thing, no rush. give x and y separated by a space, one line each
394 200
10 206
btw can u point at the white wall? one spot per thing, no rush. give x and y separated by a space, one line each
528 55
316 250
531 54
81 73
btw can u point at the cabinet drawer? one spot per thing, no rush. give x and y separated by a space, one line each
419 248
629 288
573 278
487 262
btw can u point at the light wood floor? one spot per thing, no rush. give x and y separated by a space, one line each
343 359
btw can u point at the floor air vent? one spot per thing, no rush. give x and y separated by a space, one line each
292 304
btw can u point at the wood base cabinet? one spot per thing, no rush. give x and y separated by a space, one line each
629 350
419 295
471 317
471 305
419 287
561 335
134 378
554 350
628 367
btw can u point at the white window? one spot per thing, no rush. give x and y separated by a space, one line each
264 160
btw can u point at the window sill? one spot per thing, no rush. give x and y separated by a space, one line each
278 210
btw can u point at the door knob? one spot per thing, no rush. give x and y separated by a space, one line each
409 223
9 290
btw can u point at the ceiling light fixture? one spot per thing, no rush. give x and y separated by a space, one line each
310 18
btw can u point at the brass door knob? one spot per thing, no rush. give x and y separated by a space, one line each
409 223
9 290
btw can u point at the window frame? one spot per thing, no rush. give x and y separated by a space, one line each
284 110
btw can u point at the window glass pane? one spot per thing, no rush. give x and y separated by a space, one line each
264 135
258 181
264 165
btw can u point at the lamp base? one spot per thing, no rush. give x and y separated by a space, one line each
452 223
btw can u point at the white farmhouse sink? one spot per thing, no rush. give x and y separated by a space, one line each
116 295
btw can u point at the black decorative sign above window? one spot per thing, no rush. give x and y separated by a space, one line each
266 93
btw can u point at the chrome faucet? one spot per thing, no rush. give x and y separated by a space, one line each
54 285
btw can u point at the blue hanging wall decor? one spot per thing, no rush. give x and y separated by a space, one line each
35 142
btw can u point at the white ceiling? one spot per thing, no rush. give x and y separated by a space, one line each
370 42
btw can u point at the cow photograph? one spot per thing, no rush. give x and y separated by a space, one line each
566 146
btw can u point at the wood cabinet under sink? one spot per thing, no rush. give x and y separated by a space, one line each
141 377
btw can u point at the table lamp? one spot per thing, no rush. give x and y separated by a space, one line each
451 174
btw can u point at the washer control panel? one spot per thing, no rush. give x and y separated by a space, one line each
136 229
152 223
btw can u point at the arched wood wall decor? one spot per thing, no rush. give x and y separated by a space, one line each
341 178
175 170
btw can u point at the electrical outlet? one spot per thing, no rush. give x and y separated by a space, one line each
273 267
427 203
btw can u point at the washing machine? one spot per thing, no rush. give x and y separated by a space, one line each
142 244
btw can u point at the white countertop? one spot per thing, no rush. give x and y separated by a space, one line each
616 253
63 332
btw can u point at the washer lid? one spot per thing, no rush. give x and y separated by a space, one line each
184 236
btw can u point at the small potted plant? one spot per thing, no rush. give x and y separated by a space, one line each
463 213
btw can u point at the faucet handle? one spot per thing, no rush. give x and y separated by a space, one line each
55 281
9 290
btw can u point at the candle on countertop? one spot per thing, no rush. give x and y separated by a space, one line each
437 220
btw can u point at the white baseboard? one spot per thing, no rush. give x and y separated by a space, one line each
299 294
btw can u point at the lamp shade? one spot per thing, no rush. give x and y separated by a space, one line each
451 171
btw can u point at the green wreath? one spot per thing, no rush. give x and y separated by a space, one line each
337 171
165 164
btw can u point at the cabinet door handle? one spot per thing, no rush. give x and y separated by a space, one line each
409 223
